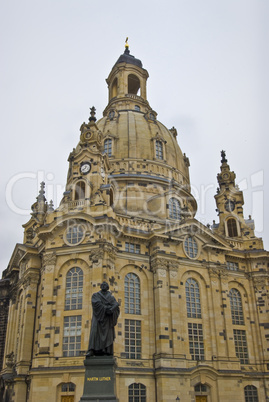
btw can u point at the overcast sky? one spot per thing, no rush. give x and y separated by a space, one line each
208 65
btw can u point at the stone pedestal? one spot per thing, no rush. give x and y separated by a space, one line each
99 382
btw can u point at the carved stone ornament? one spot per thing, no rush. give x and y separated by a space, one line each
223 273
96 254
10 360
110 250
259 282
160 264
49 259
173 266
214 274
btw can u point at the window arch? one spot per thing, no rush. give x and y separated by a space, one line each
74 289
132 294
159 149
174 209
251 394
108 146
193 298
133 84
137 393
236 307
232 227
80 190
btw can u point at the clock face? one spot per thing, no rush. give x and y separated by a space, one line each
229 205
85 167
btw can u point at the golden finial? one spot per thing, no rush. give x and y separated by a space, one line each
126 43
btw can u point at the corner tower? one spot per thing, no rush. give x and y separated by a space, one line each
230 200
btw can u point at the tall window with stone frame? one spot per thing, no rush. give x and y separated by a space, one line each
108 146
133 339
240 337
236 307
241 347
193 299
251 393
159 149
74 289
132 294
195 329
196 341
72 336
174 209
137 393
232 227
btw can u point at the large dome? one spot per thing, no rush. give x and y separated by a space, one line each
146 171
131 124
135 136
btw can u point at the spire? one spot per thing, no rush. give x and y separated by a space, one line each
92 116
223 157
41 195
39 208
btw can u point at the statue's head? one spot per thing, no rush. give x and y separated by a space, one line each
104 286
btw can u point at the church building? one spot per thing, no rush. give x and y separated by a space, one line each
194 299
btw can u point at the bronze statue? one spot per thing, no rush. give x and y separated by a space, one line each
104 318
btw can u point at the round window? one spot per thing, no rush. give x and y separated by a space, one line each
74 234
191 247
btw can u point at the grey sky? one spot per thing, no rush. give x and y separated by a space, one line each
208 67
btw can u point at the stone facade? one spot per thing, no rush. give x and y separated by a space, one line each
194 299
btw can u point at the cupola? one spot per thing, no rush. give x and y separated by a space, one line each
127 84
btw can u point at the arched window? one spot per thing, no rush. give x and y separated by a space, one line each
74 289
236 307
159 149
80 190
251 394
174 209
191 247
137 393
133 84
232 227
193 298
108 146
132 294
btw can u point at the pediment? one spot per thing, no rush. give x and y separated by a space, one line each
19 253
192 227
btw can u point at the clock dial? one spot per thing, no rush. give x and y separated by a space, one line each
229 205
85 167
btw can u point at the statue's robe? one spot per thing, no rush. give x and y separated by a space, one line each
104 318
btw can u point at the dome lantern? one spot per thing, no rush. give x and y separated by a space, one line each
127 84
